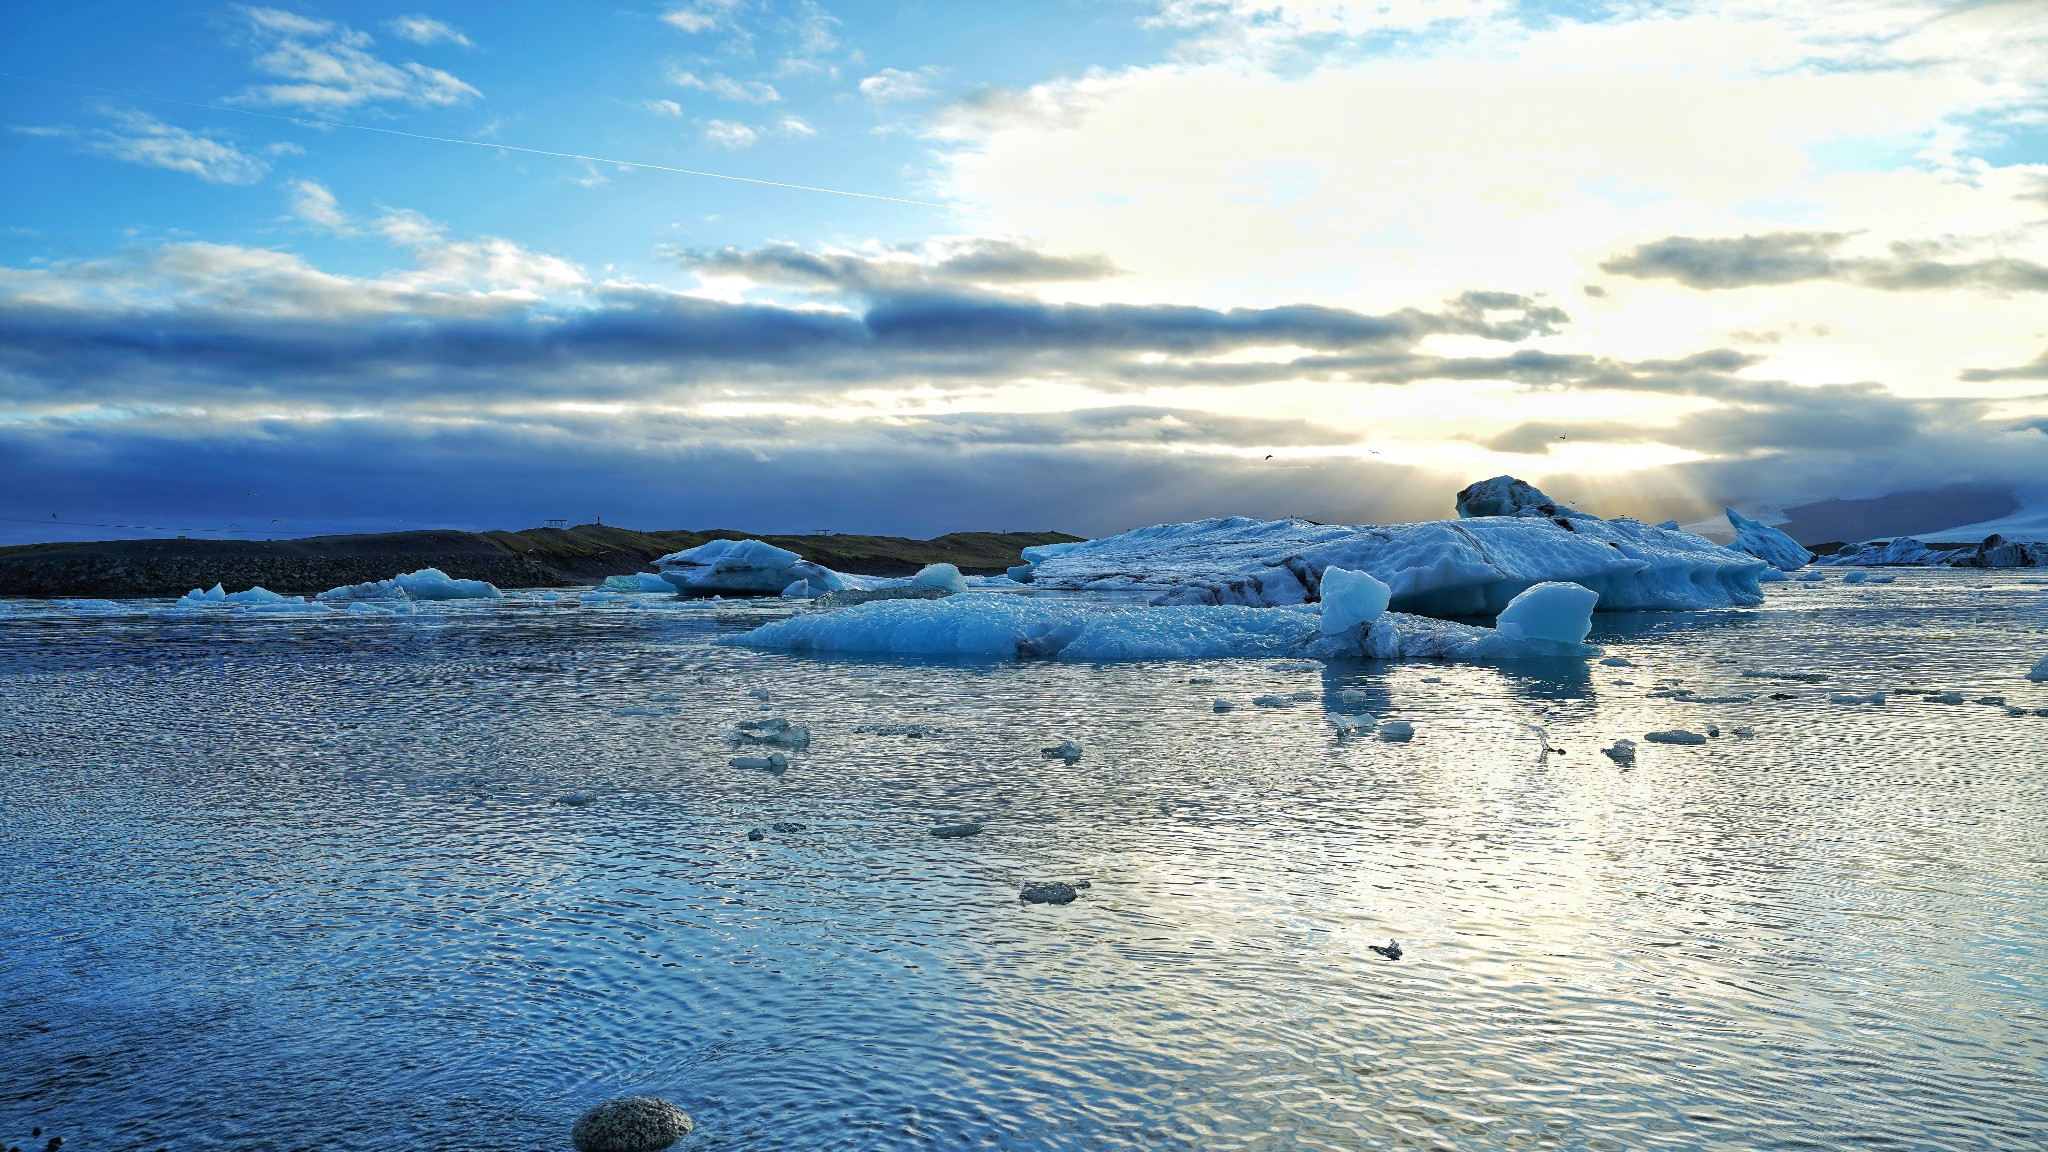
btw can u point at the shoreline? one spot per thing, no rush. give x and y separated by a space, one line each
529 558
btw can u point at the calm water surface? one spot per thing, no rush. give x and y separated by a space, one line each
280 883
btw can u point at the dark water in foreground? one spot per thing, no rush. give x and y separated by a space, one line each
275 883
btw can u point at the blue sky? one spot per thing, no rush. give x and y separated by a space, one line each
1168 259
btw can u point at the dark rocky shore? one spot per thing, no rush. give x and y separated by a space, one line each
533 558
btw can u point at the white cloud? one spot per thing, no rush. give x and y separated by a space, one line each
427 30
727 88
328 66
662 107
727 134
140 139
896 84
313 203
702 16
795 126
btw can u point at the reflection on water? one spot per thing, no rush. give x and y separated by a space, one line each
292 884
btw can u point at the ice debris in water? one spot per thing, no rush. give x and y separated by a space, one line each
1397 731
956 831
777 733
1856 577
1811 577
945 577
1221 705
1273 701
774 762
1001 625
1054 893
257 599
744 567
1674 736
638 582
1351 599
1767 543
2040 670
1066 750
1617 662
785 827
1558 612
1623 752
1352 697
1509 536
425 584
1352 723
913 731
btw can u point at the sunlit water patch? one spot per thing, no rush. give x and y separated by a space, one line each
329 882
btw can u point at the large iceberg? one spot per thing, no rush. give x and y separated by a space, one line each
745 568
425 584
1993 552
1767 543
1509 538
1072 628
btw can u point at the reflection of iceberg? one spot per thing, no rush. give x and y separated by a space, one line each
1510 537
425 584
1000 625
746 568
1767 543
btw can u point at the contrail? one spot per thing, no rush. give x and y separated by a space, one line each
477 143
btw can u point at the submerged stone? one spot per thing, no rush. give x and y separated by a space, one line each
631 1124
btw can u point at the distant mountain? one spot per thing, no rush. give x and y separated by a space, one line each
1917 513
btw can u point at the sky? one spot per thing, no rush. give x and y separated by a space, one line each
920 267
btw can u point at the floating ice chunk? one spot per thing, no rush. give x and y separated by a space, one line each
1352 723
1066 750
1295 666
638 582
1944 697
956 831
1352 697
2040 671
1811 577
1397 731
1221 705
774 762
1623 752
1351 599
1856 577
1774 674
1273 701
1617 662
778 733
1021 573
1054 893
945 577
1771 576
995 624
577 799
257 599
1470 566
1767 543
1742 731
745 567
1674 736
1559 612
913 731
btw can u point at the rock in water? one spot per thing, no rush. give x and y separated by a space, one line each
631 1124
1623 752
1054 893
1675 736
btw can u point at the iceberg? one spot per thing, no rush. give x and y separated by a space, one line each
2040 671
637 582
1992 552
1558 612
425 584
1350 599
1767 543
1007 626
945 577
746 568
257 599
1509 537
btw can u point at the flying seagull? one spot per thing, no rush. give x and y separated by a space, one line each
1269 455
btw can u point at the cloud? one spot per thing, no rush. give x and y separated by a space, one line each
313 203
2038 370
971 261
662 107
1792 257
140 139
702 15
727 88
328 67
795 126
727 134
427 30
896 84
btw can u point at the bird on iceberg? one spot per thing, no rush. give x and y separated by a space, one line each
1392 951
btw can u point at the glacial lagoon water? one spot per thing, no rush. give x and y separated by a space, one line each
285 883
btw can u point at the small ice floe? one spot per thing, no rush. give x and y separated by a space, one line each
1221 705
1352 697
1943 697
758 693
576 799
774 762
257 599
1352 723
1201 679
1674 736
1066 750
1301 697
1742 732
1617 662
1053 893
912 731
1811 577
1295 666
945 577
1396 731
1775 674
1857 577
2040 671
1880 577
1392 949
956 831
639 710
785 827
776 733
638 582
756 834
1623 752
664 698
1432 679
1992 701
1273 701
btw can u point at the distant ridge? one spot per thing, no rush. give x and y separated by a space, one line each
530 558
